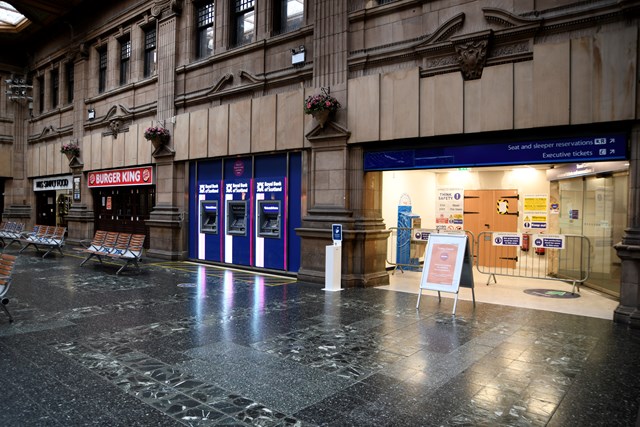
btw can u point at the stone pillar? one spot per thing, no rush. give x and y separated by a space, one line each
628 311
339 193
166 229
338 189
18 193
80 219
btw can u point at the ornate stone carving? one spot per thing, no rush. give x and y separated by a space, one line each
222 82
471 57
114 125
175 6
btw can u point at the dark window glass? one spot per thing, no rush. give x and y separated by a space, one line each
55 88
125 60
69 72
243 22
205 17
288 15
102 70
41 94
149 52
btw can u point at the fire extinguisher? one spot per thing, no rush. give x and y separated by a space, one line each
540 251
525 242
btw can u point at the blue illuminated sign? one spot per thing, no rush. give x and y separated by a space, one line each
336 232
565 150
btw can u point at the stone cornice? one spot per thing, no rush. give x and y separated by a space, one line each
511 40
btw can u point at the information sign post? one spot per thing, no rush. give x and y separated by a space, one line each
333 261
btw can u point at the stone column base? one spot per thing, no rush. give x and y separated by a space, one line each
364 249
20 213
166 237
628 312
80 224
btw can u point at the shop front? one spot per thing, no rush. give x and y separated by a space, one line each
53 199
123 199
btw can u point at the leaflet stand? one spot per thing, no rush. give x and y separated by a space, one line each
447 266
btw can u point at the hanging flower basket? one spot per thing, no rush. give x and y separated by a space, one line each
321 116
157 135
71 150
321 106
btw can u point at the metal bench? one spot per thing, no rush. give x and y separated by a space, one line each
122 247
45 237
7 263
12 231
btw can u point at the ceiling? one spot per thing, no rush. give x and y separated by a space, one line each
43 15
43 12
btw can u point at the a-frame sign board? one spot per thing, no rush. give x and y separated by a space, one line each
448 265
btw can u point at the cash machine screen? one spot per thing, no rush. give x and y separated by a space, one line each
237 217
269 218
209 216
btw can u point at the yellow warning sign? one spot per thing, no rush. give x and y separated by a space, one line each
502 206
535 203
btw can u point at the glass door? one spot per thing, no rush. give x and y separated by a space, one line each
596 207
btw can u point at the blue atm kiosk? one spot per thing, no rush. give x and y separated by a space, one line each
271 232
245 210
238 222
206 208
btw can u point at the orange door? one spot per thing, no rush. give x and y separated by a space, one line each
492 211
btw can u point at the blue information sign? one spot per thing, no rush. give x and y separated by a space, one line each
336 232
588 149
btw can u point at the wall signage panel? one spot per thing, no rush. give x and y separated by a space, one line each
52 183
121 177
565 150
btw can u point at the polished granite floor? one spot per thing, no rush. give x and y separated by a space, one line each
186 344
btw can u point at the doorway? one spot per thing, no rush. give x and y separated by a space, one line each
492 211
596 207
46 208
124 209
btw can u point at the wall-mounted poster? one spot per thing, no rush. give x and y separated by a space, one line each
535 208
450 209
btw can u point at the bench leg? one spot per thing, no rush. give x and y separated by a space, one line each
122 268
47 252
4 302
130 261
87 259
14 241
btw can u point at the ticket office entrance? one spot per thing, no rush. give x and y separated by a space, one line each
586 196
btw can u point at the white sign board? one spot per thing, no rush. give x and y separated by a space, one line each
444 259
506 239
421 234
549 241
447 266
